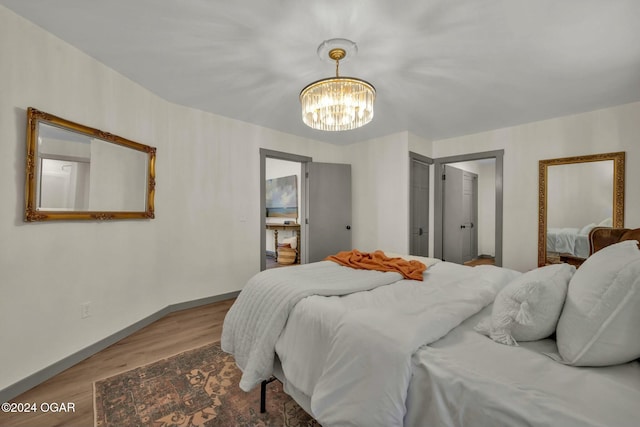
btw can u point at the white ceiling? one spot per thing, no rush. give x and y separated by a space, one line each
441 68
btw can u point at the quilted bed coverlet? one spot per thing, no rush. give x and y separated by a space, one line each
367 368
366 375
256 319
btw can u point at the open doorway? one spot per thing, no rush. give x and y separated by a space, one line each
282 207
283 181
468 214
323 215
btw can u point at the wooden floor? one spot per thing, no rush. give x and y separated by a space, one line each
272 263
481 261
168 336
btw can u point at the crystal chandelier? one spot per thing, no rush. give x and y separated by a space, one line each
337 103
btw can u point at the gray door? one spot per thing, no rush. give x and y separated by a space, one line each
419 210
459 238
469 225
329 209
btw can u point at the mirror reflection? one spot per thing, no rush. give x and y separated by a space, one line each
579 198
76 172
63 185
576 195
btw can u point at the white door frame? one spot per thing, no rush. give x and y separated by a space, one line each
438 199
303 160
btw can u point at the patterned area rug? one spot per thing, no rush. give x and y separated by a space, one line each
195 388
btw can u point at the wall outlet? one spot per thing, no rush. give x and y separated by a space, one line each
85 310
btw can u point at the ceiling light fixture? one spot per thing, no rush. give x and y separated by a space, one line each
337 103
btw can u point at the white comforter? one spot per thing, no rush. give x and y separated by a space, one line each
256 319
356 350
467 380
569 241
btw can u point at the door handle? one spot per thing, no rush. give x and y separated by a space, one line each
420 231
348 227
463 226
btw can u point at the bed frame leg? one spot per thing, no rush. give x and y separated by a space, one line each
263 397
263 394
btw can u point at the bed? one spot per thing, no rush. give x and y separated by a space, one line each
408 353
568 240
572 240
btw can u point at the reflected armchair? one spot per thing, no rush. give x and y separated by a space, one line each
600 237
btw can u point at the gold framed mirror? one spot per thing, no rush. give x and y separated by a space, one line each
75 172
577 194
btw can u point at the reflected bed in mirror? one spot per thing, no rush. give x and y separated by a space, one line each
577 194
74 172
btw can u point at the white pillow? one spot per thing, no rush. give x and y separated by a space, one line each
600 322
587 228
607 222
528 308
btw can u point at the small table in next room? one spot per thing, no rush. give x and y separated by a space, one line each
294 227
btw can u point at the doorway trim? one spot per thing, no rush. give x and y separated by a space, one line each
280 155
429 162
438 197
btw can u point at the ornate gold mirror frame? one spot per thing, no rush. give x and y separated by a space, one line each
618 160
125 170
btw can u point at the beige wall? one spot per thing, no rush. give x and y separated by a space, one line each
602 131
379 174
203 242
380 178
206 236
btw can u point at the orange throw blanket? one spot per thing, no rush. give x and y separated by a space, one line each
380 262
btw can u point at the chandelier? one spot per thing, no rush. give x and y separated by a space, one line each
337 103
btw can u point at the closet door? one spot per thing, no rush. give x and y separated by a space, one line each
419 208
460 215
328 219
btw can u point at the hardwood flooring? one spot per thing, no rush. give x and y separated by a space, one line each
272 263
481 261
166 337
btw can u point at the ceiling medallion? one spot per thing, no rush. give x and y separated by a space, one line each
337 103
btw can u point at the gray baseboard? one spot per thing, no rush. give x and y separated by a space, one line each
39 377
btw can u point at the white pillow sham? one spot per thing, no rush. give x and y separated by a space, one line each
607 222
587 228
528 308
600 321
